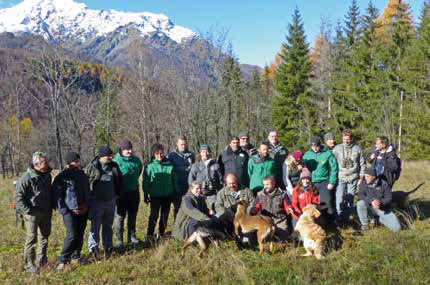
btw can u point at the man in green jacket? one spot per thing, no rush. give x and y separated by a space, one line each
128 202
259 166
323 165
159 188
35 201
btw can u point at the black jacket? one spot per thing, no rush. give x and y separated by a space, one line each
379 190
391 165
94 172
212 184
71 189
234 162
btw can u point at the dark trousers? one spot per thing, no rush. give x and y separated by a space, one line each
177 200
327 207
126 204
158 205
75 230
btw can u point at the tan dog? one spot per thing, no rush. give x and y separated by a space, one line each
312 234
203 236
244 223
400 199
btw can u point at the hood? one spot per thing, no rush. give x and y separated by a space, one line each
33 173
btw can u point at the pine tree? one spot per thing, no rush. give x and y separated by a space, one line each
352 22
292 107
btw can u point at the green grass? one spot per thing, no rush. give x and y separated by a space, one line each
378 257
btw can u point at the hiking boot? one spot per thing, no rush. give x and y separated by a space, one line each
43 261
95 253
133 239
108 252
61 266
119 243
31 268
75 261
365 228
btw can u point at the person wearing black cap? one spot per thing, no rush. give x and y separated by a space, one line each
71 191
105 186
375 195
129 199
324 168
182 159
207 172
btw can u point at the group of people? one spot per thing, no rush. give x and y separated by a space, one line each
204 191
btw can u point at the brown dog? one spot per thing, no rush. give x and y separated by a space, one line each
244 223
312 234
400 199
203 236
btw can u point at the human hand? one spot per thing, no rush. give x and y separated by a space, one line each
376 204
372 156
146 199
330 186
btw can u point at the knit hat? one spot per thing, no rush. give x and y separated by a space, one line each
126 144
328 136
315 141
243 134
37 156
104 151
371 171
297 155
305 173
71 156
203 147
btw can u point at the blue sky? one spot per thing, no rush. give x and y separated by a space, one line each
257 28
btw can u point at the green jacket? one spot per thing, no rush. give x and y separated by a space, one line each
192 207
258 168
225 200
159 179
131 168
322 164
34 193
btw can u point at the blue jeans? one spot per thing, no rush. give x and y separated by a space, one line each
387 218
101 214
345 192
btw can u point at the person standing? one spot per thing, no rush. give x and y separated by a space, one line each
323 166
159 188
129 199
330 141
291 170
72 192
278 153
35 201
182 160
246 145
385 161
105 186
350 159
234 160
207 172
259 166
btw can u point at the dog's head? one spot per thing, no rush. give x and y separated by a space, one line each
311 211
241 205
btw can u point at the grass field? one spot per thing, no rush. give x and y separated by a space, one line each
377 257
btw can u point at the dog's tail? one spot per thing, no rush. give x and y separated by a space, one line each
416 188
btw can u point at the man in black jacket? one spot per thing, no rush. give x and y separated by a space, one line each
278 153
385 160
71 190
234 160
375 195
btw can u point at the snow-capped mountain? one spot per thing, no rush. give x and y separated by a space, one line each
68 20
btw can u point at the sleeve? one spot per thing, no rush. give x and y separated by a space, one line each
315 199
86 185
192 174
362 194
287 181
256 208
146 183
362 163
334 169
392 163
221 165
387 195
59 195
192 211
175 181
295 201
21 192
219 205
218 179
250 168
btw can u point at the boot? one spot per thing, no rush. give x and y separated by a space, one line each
31 268
131 237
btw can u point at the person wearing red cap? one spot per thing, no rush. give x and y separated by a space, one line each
291 171
304 193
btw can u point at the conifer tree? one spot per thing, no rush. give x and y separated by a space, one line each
292 107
